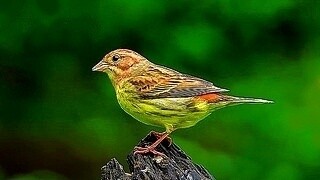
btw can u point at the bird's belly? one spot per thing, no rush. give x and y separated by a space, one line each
171 113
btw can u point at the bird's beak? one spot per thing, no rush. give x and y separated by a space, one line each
101 66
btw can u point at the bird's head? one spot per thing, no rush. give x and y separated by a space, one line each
121 63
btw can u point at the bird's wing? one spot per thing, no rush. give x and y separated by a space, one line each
162 82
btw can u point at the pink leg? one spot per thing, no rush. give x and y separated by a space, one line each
159 135
151 148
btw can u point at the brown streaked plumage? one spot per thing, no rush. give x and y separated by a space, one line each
162 82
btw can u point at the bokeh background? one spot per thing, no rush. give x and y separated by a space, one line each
59 120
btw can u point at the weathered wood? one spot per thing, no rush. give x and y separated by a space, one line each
114 171
176 165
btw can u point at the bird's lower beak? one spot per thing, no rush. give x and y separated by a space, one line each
101 66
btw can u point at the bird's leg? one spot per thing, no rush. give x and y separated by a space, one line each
158 136
152 147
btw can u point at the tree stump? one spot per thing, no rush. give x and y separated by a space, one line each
175 165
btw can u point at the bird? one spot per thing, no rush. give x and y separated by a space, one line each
159 96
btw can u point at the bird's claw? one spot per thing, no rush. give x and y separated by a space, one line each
144 150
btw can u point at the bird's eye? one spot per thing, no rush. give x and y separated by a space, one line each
115 58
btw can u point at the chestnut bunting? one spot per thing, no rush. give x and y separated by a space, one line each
159 96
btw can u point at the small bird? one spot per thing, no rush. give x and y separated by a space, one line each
159 96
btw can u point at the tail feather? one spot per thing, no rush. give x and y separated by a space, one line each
240 100
224 101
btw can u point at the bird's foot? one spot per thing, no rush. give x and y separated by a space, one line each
152 147
158 135
149 149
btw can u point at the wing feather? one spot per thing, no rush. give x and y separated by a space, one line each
162 82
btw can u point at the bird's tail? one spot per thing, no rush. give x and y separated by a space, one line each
225 100
240 100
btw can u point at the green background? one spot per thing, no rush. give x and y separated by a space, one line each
60 120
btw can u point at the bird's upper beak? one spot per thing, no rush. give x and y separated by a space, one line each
101 66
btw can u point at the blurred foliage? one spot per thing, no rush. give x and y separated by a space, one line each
60 120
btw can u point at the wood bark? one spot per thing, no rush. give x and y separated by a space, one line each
175 165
